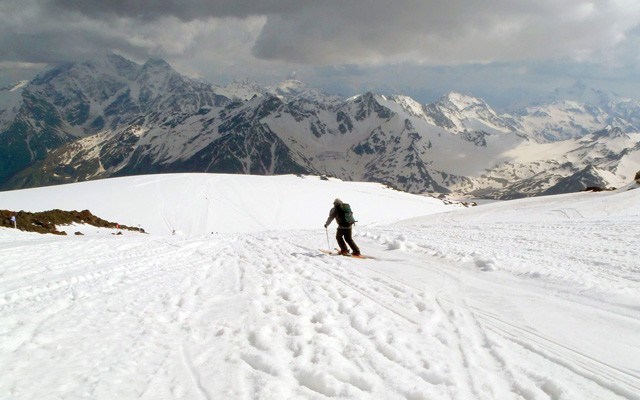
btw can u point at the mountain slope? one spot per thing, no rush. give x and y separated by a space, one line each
112 117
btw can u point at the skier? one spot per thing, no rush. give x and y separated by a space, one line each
343 232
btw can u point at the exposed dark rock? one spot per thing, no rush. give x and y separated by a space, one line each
47 221
586 178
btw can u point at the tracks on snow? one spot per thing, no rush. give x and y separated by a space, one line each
261 316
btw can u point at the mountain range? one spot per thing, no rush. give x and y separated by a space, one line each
113 117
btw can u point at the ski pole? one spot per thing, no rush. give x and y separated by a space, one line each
327 232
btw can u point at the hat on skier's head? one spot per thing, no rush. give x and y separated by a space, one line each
337 201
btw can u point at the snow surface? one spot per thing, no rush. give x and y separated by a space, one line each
199 203
10 99
19 85
526 299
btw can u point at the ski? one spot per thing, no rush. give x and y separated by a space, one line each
335 253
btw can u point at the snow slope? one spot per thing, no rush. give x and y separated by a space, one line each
514 300
196 204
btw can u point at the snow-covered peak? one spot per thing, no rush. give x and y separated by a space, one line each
111 91
80 74
577 111
292 89
610 133
113 65
291 86
562 119
364 105
245 89
365 97
461 102
409 105
157 72
459 112
581 93
158 64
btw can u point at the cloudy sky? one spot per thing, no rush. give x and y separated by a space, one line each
502 50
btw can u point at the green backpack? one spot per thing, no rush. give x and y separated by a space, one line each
345 213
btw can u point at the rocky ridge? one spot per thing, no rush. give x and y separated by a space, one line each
112 117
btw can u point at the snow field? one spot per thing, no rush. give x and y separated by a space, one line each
533 299
265 315
270 325
199 204
594 257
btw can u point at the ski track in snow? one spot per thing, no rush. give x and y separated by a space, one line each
266 316
594 256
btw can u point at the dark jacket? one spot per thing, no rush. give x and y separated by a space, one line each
338 216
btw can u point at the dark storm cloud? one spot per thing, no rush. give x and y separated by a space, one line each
185 10
32 33
332 32
446 32
357 42
56 47
39 31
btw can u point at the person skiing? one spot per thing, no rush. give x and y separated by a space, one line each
341 212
